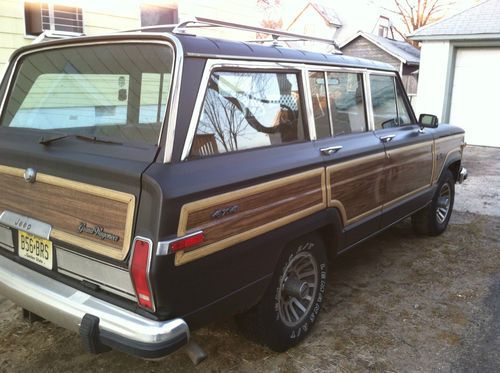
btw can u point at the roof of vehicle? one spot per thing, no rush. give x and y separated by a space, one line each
195 45
201 46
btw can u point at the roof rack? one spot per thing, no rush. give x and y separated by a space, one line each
276 35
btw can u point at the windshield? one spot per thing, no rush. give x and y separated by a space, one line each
117 91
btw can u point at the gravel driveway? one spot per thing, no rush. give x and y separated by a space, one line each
399 302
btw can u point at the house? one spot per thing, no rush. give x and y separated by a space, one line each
317 20
459 71
400 54
21 22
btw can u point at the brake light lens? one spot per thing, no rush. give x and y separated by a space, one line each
139 272
187 242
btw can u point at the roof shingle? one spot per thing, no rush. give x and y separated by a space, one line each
480 20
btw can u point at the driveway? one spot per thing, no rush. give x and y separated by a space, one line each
399 302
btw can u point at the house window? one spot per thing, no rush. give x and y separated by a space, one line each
152 15
60 19
383 27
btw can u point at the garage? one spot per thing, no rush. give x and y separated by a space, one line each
475 104
459 76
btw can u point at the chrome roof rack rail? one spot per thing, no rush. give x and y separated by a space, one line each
275 34
201 22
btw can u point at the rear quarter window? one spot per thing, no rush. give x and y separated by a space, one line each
245 110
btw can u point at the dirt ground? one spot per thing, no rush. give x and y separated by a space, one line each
399 302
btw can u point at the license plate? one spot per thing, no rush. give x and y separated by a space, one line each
35 249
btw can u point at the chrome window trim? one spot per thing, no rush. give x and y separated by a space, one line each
368 89
368 101
307 62
311 122
170 115
212 64
327 92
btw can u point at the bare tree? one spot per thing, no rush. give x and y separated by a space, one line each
418 13
222 119
272 15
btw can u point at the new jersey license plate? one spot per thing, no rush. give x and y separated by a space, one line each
35 249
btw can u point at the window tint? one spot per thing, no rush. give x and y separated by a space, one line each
244 110
389 107
346 102
320 105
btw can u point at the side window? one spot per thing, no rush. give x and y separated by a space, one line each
320 105
383 101
346 101
244 110
403 111
389 108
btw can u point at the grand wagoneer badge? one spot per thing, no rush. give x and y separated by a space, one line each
98 232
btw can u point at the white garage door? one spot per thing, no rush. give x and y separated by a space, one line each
475 103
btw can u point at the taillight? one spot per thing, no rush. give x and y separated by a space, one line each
139 271
186 242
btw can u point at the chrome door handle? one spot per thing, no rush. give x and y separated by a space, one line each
330 150
387 138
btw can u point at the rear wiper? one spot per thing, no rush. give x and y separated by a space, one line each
48 140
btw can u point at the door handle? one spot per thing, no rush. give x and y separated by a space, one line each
330 150
387 138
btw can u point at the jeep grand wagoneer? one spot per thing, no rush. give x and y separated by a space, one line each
153 181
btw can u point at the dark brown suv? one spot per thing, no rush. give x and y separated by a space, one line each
155 180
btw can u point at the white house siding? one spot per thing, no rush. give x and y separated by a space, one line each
98 18
11 29
434 59
474 103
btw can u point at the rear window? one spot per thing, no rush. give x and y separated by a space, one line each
244 110
117 91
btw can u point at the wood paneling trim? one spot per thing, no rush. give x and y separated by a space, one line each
365 164
117 250
262 213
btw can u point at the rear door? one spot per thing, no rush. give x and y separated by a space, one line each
409 161
353 157
79 125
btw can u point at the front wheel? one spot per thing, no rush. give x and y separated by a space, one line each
291 304
434 219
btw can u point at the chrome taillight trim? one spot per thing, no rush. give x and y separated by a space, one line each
148 271
163 247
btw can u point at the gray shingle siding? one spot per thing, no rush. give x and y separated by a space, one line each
361 47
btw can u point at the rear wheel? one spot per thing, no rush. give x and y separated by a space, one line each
434 219
293 300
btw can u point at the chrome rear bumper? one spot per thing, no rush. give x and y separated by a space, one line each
462 175
65 306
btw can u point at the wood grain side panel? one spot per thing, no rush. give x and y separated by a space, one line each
444 148
409 169
357 186
261 209
65 204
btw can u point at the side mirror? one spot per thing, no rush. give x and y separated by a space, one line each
428 121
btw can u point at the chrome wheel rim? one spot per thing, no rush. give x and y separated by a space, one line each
443 203
298 288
